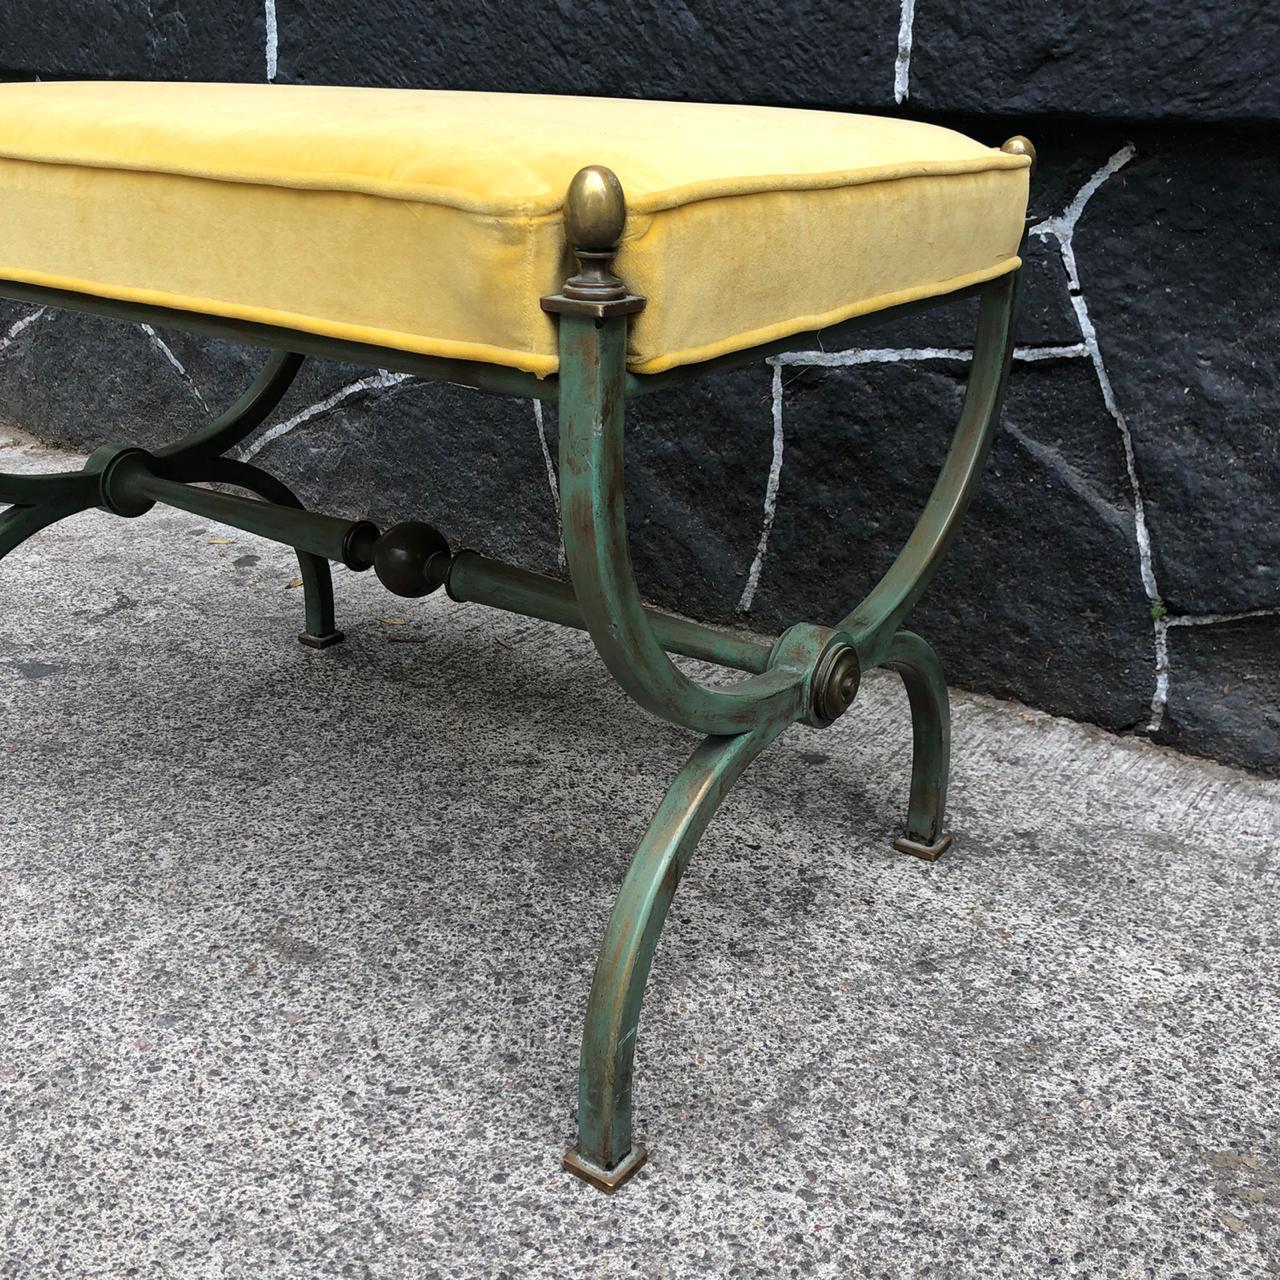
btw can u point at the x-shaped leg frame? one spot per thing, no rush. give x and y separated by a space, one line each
812 673
41 500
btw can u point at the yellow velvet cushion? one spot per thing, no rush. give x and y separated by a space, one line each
431 221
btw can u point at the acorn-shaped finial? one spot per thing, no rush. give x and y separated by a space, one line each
595 209
1020 146
595 213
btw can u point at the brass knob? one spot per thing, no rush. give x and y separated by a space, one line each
835 684
595 209
1020 146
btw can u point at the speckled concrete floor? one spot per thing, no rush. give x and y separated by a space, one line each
294 948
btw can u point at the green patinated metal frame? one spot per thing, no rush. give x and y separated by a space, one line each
808 675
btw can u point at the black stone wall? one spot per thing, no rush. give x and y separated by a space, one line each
1122 565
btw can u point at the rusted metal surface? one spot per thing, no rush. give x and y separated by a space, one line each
606 1180
925 852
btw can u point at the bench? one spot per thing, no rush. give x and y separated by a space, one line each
486 240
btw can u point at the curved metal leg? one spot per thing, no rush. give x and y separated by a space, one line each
875 620
605 1154
17 524
915 661
41 499
249 412
873 625
317 582
592 411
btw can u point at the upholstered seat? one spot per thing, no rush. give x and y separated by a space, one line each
431 221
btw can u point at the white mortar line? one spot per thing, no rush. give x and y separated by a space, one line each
1212 619
1062 227
844 359
167 351
902 64
551 476
866 355
894 355
1160 694
1077 350
770 497
1146 563
16 328
1160 697
379 381
273 38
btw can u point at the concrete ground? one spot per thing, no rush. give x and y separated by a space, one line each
294 947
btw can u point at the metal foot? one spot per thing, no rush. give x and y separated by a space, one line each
925 852
606 1180
321 642
921 672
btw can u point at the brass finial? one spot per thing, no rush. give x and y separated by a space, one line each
1020 146
595 213
595 209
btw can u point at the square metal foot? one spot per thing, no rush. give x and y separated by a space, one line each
926 852
321 642
606 1180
